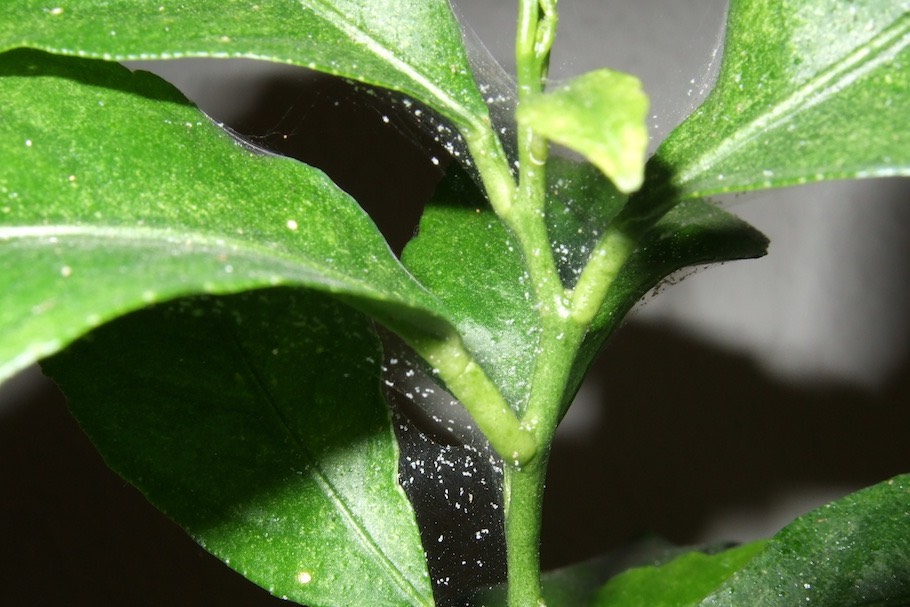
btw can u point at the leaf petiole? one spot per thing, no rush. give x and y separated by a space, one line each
467 381
607 259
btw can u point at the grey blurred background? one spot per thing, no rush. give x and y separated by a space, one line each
731 402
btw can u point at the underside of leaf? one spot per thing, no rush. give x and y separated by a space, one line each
256 422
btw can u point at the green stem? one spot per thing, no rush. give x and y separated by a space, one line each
524 485
537 20
468 382
523 493
536 29
606 261
492 165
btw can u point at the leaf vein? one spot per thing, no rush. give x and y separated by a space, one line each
352 522
358 35
134 237
876 52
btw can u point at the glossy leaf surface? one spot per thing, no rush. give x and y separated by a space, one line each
601 115
256 422
115 192
850 553
808 90
412 46
467 257
683 582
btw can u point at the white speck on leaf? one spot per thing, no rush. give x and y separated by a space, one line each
304 577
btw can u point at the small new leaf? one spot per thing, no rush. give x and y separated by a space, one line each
601 115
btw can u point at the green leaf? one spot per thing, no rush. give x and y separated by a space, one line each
600 114
411 46
577 584
682 582
850 553
471 261
853 552
115 193
256 422
692 233
808 90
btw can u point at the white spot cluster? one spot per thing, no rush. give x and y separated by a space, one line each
455 491
451 476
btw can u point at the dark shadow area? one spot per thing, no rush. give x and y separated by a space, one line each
450 474
690 430
91 72
74 533
457 499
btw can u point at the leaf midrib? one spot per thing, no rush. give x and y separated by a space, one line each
393 574
873 54
136 237
388 55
